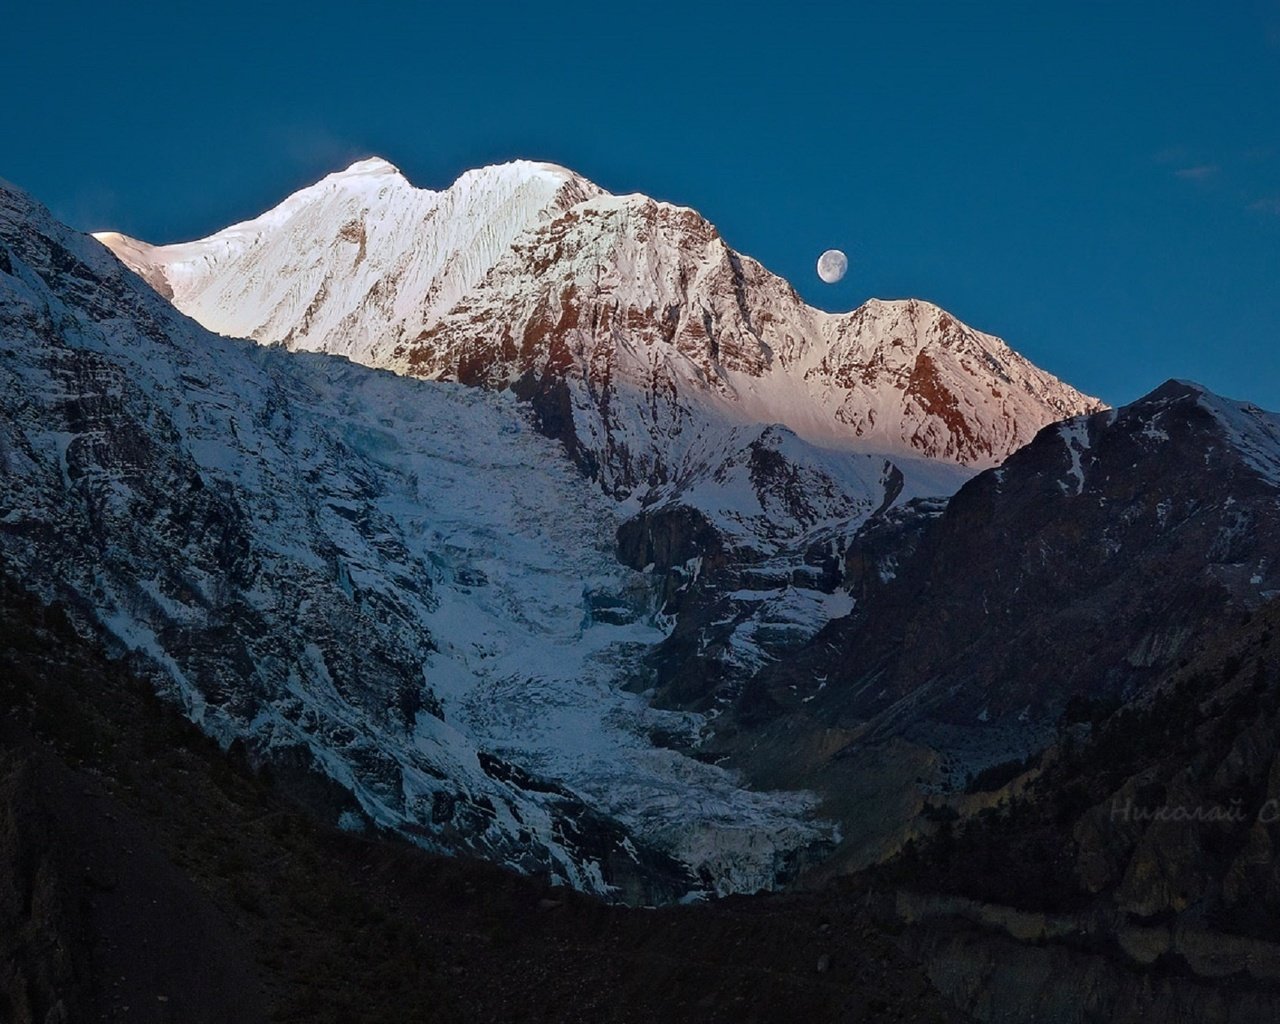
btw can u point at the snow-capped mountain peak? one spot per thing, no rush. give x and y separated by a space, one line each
351 263
629 324
368 167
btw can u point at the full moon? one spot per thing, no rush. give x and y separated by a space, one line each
832 265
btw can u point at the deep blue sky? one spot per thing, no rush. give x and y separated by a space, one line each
1097 183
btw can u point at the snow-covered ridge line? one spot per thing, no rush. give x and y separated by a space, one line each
528 272
358 260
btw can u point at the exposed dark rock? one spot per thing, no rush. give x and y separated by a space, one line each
667 537
1042 580
1136 865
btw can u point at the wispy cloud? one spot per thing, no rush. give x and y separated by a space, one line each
315 147
1270 11
92 207
1171 155
1197 172
1242 175
1183 163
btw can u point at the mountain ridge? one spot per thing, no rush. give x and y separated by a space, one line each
1090 564
368 216
627 323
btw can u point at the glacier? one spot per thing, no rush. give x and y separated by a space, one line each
398 581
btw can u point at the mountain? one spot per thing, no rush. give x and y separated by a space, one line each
635 332
1129 872
351 263
651 604
739 428
393 592
395 585
1173 497
1083 570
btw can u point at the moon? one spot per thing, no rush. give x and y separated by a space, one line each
832 265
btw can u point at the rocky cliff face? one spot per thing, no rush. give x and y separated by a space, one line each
1085 565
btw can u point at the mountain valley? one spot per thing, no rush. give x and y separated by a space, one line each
528 540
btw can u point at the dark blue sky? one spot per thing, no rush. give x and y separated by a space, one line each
1097 183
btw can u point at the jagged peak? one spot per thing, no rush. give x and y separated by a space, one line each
511 171
636 208
520 170
911 325
366 175
1178 390
373 165
638 200
1249 430
920 310
1177 387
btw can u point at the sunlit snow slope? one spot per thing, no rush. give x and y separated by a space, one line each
352 263
629 325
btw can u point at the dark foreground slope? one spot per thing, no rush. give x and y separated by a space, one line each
1131 873
144 862
149 876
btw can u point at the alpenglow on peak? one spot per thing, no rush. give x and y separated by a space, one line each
636 313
